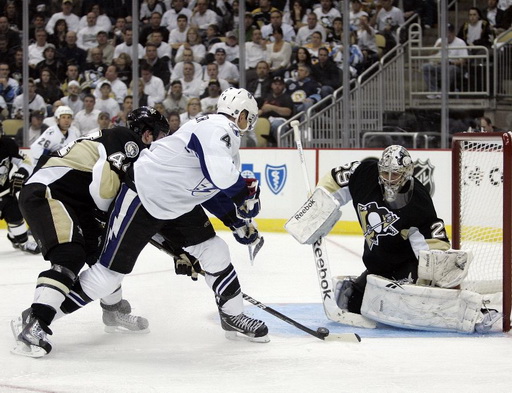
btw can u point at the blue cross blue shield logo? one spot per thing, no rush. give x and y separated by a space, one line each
276 177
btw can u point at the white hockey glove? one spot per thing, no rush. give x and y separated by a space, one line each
245 232
251 206
187 265
17 180
445 269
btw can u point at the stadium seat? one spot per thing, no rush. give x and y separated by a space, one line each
262 127
11 126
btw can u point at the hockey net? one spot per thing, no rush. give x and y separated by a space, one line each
481 211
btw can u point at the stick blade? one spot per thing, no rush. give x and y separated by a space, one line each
344 337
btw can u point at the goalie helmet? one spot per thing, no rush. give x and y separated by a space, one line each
147 118
395 171
233 102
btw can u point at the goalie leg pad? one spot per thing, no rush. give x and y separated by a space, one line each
315 218
420 307
445 269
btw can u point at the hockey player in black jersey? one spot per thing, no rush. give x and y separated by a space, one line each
412 277
61 201
10 158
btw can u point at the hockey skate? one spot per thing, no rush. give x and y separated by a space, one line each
118 319
28 246
488 323
30 335
248 328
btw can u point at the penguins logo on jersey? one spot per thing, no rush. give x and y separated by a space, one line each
131 149
376 221
424 172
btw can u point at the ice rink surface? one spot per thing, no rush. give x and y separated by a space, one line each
186 350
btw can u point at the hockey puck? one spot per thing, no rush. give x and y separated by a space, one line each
323 331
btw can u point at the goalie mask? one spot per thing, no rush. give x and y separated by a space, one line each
233 102
396 176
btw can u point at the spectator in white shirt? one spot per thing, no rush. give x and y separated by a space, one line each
35 50
73 99
127 45
35 102
255 50
87 119
193 110
163 49
86 37
102 20
71 19
304 33
388 19
230 46
202 17
170 17
209 103
356 12
178 36
103 121
212 73
276 20
326 13
187 55
119 89
227 70
191 86
106 103
153 85
194 43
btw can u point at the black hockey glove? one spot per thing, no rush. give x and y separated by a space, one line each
185 264
245 232
251 206
17 180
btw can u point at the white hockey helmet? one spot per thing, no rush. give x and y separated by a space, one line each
395 170
63 110
233 102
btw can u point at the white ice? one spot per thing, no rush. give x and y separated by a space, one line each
186 350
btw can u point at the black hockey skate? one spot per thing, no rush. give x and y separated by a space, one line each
28 246
248 328
31 336
118 319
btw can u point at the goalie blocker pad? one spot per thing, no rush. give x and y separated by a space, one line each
420 307
315 218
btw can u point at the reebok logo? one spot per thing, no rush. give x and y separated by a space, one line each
304 209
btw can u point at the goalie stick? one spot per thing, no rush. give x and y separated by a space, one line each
323 270
321 333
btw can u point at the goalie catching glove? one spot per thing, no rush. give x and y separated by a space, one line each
187 265
251 205
18 179
245 232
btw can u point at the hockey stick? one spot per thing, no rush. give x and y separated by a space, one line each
321 333
323 270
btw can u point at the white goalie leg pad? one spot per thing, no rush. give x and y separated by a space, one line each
445 269
420 307
315 218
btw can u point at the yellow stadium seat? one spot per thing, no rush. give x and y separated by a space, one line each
262 127
11 126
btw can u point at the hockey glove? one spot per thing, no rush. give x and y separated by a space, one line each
185 264
245 232
251 206
17 180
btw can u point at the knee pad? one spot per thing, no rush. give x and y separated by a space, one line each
99 281
213 255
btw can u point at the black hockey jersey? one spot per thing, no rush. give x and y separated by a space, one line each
9 157
94 165
393 237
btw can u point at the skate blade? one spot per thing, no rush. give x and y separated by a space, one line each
122 330
16 328
235 336
32 351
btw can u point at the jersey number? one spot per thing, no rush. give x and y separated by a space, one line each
438 231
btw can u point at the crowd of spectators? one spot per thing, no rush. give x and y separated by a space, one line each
80 53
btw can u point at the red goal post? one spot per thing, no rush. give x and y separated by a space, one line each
482 211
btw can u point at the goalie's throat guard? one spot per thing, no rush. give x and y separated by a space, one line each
315 218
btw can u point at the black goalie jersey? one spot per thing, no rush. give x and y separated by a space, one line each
94 165
393 237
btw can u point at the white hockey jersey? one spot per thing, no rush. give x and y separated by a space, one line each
189 167
52 140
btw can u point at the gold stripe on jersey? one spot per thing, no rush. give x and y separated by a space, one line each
49 282
328 183
63 223
81 157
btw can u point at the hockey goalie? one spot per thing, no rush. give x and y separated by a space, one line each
412 276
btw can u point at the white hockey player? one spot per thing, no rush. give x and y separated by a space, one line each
411 275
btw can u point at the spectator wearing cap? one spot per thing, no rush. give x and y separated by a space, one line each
194 43
87 119
73 99
227 70
71 19
35 129
277 107
230 47
170 17
104 122
260 84
87 36
127 45
175 101
106 103
102 20
107 49
35 102
276 21
209 103
279 52
153 86
202 16
191 86
119 88
212 72
35 50
153 25
304 33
